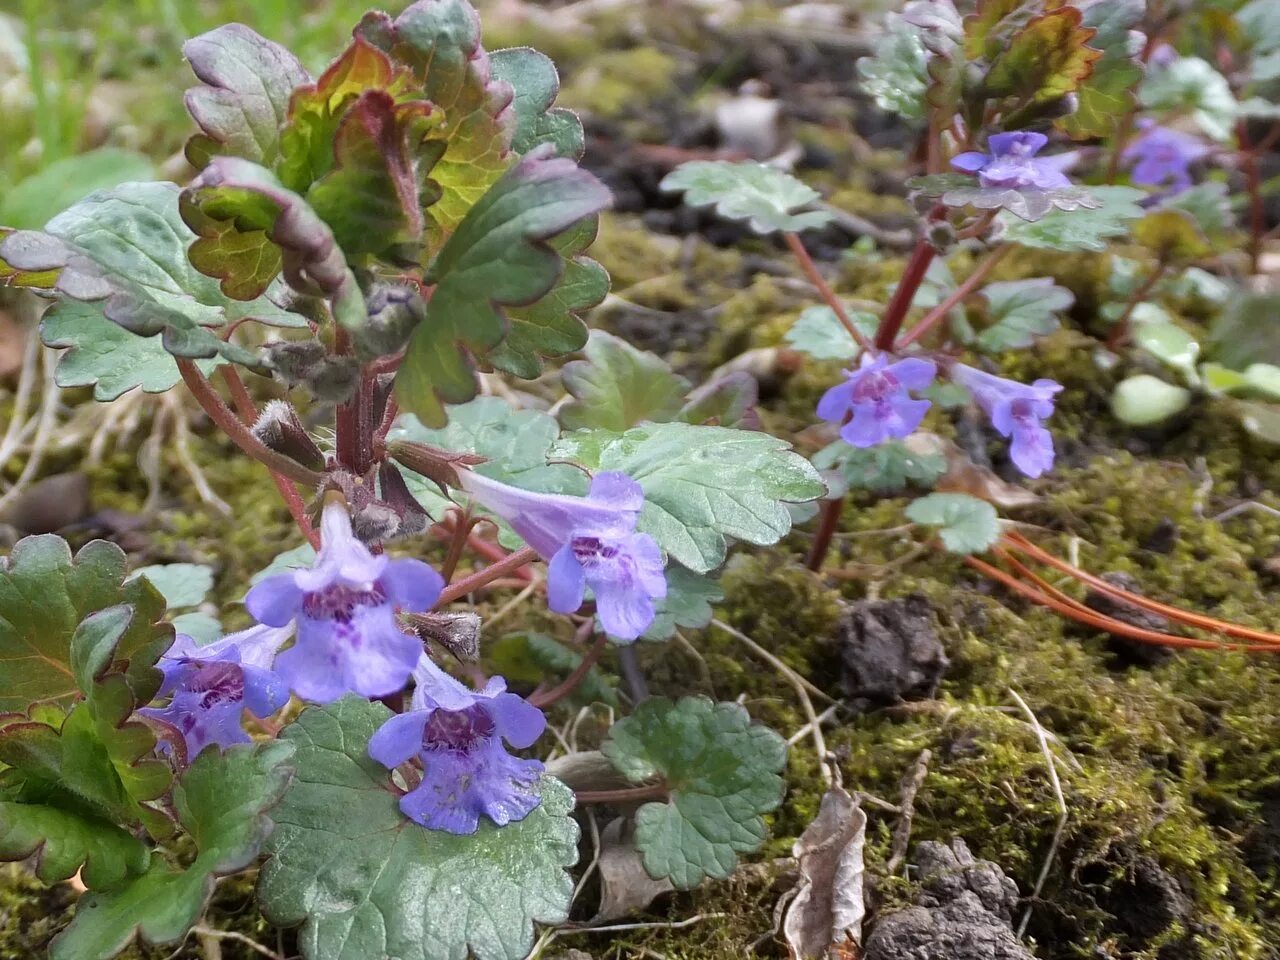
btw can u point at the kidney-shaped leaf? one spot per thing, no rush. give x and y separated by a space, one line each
766 197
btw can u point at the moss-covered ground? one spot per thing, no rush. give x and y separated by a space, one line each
1176 764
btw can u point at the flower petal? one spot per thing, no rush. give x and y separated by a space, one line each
412 584
275 601
398 739
566 583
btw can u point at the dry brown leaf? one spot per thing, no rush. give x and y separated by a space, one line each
965 476
625 885
828 908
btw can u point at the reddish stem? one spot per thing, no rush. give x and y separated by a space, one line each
1120 330
824 290
288 492
939 313
828 522
509 564
655 791
1253 183
457 543
544 699
239 434
896 311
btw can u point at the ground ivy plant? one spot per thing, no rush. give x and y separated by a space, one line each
1064 127
375 239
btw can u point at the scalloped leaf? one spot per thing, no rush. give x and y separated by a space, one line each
1085 229
687 604
243 97
959 190
1047 59
819 333
65 843
106 356
36 638
723 774
1021 311
343 857
533 77
618 386
702 484
766 197
439 40
885 468
499 255
221 801
897 75
1109 93
250 225
126 250
967 524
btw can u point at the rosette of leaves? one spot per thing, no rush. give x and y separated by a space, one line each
960 191
414 154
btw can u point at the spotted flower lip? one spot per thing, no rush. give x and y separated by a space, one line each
1012 163
1016 411
459 736
587 541
875 400
345 606
1162 157
211 686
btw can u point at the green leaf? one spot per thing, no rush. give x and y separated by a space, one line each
727 401
969 525
515 443
200 627
959 190
364 881
1190 84
1246 331
35 637
64 843
618 386
702 485
885 468
1144 400
243 97
533 77
1108 93
30 203
1022 310
106 356
1261 420
766 197
126 250
1171 236
1169 344
897 76
182 584
1047 59
497 256
1208 206
440 43
819 333
1259 22
529 657
722 771
249 224
221 801
1079 229
551 327
687 604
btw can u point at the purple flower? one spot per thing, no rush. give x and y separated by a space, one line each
1015 410
1162 157
876 394
345 605
212 686
458 734
1011 164
587 542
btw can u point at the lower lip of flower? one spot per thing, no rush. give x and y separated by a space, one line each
218 682
461 730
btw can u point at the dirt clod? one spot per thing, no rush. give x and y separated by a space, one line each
891 651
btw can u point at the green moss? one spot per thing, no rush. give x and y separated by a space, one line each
619 82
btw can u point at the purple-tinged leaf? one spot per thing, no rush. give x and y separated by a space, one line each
244 95
126 249
439 40
240 209
535 81
498 256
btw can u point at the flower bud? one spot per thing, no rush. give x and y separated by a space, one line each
459 633
279 429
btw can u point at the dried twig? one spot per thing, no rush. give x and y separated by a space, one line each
1062 808
911 784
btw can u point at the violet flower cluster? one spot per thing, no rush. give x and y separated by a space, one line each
873 404
1162 157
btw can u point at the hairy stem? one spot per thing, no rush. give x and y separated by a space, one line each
288 492
509 564
574 680
230 424
896 311
939 313
824 290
